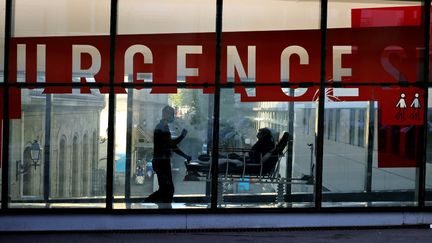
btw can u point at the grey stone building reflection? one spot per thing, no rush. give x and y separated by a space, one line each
75 168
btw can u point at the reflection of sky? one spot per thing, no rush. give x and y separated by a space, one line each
120 123
103 120
120 163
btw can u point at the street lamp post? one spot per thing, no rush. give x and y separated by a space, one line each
22 167
35 153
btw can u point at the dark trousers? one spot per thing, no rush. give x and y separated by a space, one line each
165 193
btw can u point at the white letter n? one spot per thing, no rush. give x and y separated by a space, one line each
234 63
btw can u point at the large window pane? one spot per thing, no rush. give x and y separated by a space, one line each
372 140
252 170
65 122
58 46
140 129
37 18
270 42
161 44
58 134
372 152
262 15
157 43
152 16
264 41
353 56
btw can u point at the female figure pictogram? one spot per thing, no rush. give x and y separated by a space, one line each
402 106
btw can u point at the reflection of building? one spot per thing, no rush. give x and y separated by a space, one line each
149 112
137 113
342 123
273 115
73 145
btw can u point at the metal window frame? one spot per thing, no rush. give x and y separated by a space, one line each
109 200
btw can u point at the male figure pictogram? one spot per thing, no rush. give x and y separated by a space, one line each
416 105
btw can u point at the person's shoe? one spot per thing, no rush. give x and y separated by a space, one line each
150 200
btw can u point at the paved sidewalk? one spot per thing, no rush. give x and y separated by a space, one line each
313 235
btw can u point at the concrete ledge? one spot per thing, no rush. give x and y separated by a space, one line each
86 222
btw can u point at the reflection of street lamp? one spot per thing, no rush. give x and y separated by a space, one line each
35 153
22 168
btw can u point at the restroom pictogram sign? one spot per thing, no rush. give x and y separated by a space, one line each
401 106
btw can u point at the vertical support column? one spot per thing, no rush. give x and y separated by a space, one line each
320 125
421 169
129 121
5 141
215 147
111 109
47 149
209 139
369 147
289 158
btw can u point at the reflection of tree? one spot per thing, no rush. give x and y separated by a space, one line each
177 100
236 120
192 109
190 100
228 105
195 109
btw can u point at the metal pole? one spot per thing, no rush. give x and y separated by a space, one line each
421 169
209 139
215 152
370 147
320 125
111 109
289 158
46 174
129 145
5 141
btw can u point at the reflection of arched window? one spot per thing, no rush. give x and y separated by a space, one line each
94 151
27 190
94 156
75 168
85 165
62 168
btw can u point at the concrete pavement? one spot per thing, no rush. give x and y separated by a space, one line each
386 235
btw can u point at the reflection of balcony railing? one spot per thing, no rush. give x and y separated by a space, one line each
70 99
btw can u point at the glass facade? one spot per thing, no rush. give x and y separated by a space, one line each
377 144
241 125
215 105
71 160
56 156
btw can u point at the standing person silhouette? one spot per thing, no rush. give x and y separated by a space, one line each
163 146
